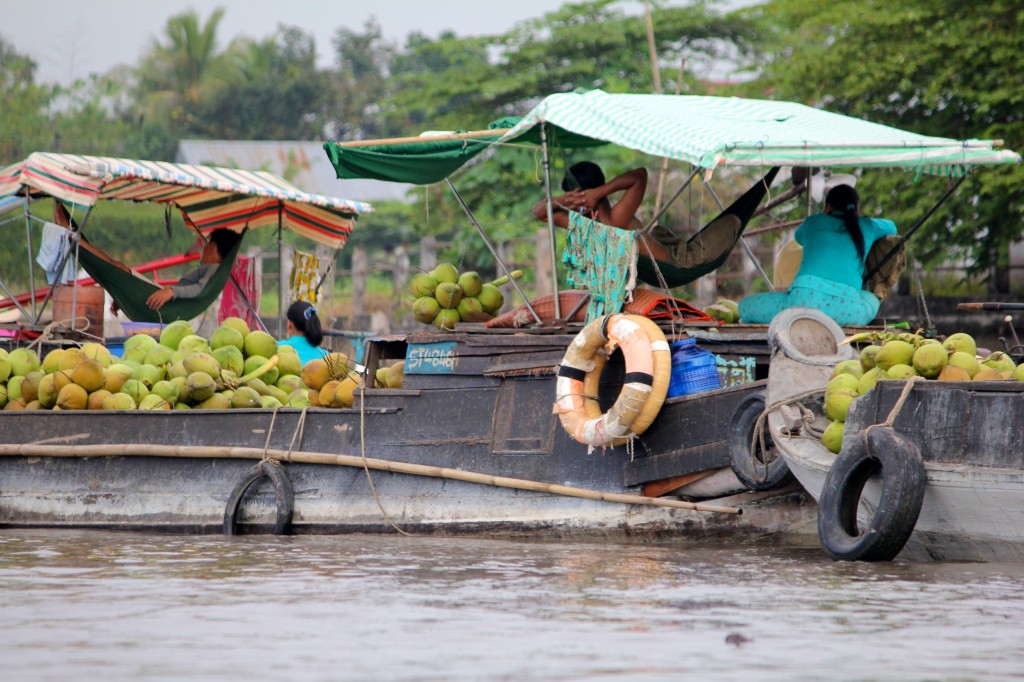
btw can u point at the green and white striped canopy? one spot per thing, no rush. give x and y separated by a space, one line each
707 132
208 197
729 131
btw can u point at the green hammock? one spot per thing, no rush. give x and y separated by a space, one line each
130 292
705 251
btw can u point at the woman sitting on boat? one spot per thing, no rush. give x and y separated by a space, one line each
835 245
304 331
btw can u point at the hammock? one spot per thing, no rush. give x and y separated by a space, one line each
705 251
130 292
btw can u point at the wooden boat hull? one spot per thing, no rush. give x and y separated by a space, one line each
968 434
488 411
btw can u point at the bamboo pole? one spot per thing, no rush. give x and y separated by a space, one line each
497 132
227 452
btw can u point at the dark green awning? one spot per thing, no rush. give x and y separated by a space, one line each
424 163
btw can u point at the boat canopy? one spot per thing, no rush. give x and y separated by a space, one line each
208 197
707 132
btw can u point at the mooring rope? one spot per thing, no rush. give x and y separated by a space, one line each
366 468
757 437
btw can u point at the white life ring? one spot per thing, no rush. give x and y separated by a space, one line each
645 385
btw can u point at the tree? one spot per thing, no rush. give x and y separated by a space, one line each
22 116
936 67
174 76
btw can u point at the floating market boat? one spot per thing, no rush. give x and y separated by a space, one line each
932 468
469 444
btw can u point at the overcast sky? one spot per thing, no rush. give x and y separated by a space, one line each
70 39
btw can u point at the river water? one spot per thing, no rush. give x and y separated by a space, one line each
119 606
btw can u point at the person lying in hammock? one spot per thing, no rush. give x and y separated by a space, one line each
586 192
190 285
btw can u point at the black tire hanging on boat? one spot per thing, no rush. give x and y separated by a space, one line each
283 493
756 468
898 461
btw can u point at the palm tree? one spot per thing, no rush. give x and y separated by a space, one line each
174 76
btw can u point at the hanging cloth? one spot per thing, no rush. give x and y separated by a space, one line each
601 259
707 250
247 273
130 291
305 276
53 249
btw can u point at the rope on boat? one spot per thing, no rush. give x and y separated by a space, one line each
362 453
757 437
234 452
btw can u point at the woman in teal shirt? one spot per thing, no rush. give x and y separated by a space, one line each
304 331
831 275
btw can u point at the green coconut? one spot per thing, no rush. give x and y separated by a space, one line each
30 385
246 397
3 395
23 361
260 343
227 336
929 359
166 390
852 367
136 389
49 386
50 364
254 362
289 383
148 374
838 399
200 386
999 361
1018 373
960 342
895 352
119 401
238 324
471 283
832 438
470 309
229 358
115 376
445 272
491 298
843 380
423 284
154 402
270 402
215 402
902 372
159 355
869 379
446 319
173 333
425 309
867 357
448 294
259 386
201 362
194 343
97 352
5 369
288 363
965 361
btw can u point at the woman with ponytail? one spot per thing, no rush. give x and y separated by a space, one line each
304 331
831 275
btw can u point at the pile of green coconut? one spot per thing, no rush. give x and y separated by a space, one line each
901 356
234 368
444 297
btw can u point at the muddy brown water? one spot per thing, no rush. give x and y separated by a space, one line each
119 606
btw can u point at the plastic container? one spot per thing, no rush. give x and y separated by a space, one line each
694 370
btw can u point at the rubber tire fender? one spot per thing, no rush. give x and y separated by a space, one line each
284 495
753 474
879 450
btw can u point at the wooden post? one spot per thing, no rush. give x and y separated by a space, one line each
360 270
400 274
542 264
428 253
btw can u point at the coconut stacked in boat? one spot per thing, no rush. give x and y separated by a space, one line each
444 297
902 356
234 368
